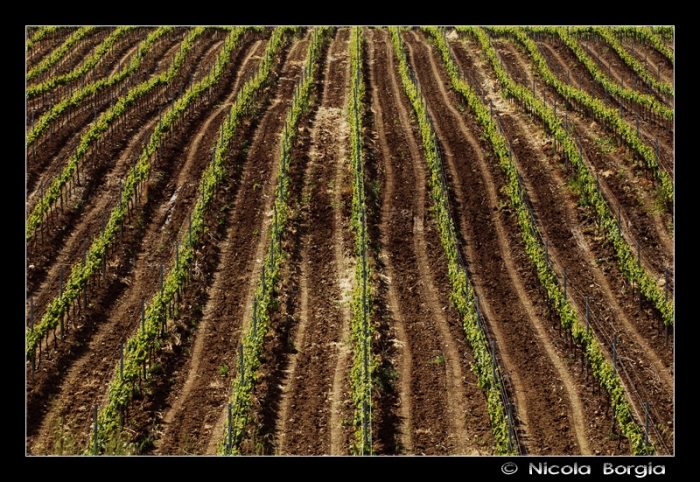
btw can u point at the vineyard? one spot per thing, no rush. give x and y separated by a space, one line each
349 241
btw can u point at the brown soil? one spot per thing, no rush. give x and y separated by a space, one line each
48 155
317 280
46 45
622 189
437 407
640 51
133 275
426 399
198 424
562 61
62 239
75 55
574 244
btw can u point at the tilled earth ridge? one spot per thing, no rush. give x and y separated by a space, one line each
223 310
48 154
493 241
95 171
299 392
631 190
531 150
132 275
94 212
438 407
76 52
426 399
612 312
46 45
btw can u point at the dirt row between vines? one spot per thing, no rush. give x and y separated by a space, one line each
630 187
65 229
437 408
426 400
110 61
50 152
562 60
630 193
574 244
198 426
625 191
75 54
301 395
501 275
46 45
76 375
641 51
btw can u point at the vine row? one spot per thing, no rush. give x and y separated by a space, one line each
665 188
57 54
250 349
629 95
96 256
146 342
601 368
45 86
665 33
40 33
102 124
362 332
463 296
92 88
607 35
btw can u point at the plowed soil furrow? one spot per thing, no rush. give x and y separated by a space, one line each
561 60
63 242
309 379
640 51
558 220
42 103
569 234
80 50
232 276
640 223
181 388
608 60
503 279
174 185
253 443
341 201
76 53
381 58
120 53
440 408
121 58
47 45
48 155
